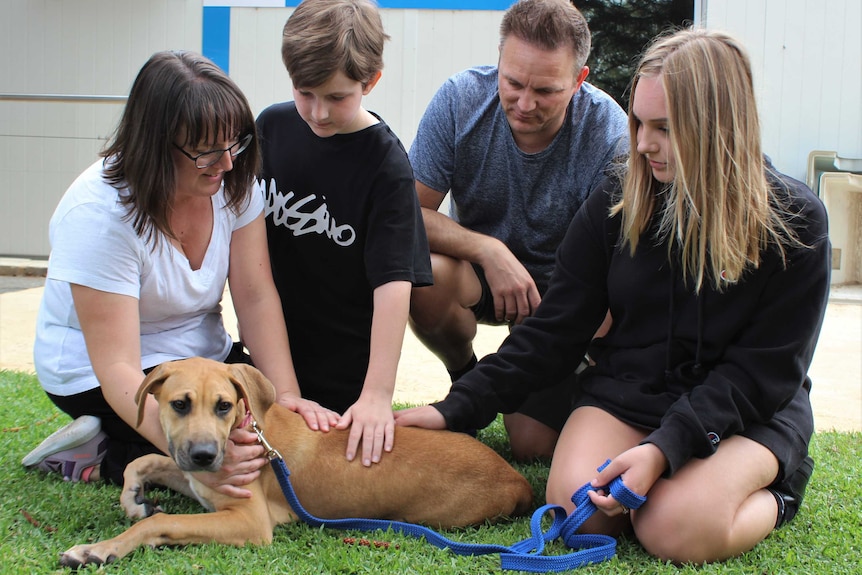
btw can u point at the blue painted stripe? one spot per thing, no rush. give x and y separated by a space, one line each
437 4
216 35
403 4
447 4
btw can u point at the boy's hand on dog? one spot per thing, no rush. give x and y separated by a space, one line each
317 417
243 458
371 423
426 416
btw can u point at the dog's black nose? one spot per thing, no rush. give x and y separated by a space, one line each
203 455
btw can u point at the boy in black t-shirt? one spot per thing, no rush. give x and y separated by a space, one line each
345 231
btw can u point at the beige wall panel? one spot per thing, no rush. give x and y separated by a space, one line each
80 47
425 48
255 55
807 60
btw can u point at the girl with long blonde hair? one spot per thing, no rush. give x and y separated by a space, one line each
715 269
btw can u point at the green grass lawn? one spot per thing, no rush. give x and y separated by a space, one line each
41 516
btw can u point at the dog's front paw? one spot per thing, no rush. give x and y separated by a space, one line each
136 504
81 555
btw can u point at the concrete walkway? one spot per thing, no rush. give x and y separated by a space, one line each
836 370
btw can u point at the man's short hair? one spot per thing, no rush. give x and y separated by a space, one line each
548 24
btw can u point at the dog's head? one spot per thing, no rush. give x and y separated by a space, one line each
200 402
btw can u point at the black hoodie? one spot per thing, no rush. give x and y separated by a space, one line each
689 368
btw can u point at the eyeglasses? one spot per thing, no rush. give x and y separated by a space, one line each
207 159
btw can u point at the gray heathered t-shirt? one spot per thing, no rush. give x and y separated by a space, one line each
464 146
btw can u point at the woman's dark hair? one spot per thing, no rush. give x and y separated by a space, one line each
177 98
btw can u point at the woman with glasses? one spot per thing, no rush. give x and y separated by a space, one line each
142 245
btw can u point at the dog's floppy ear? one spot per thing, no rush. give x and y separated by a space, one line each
151 384
257 391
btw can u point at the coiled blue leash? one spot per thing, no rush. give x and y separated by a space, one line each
522 556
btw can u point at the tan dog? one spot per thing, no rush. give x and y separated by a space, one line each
438 478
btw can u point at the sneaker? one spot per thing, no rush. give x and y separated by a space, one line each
789 493
77 464
76 433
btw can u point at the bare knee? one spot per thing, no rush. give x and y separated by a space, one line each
529 438
455 289
428 306
559 491
706 513
662 538
673 532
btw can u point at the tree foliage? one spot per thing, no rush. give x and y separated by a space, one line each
621 29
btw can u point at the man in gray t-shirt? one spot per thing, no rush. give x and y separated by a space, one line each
518 147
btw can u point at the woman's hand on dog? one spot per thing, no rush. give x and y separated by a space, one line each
426 416
317 417
243 459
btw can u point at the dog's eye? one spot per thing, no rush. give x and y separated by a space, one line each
180 405
223 407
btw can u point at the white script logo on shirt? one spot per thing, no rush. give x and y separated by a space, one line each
291 215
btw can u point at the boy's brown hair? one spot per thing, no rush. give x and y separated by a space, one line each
323 37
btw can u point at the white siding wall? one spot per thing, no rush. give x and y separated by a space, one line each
426 47
807 56
807 60
81 47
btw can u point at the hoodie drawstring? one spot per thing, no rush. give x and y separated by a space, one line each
697 368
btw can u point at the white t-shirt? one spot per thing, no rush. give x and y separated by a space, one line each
94 244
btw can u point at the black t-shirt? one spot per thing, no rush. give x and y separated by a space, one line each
342 218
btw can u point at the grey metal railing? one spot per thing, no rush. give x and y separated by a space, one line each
62 98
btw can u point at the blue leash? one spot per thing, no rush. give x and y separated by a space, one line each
522 556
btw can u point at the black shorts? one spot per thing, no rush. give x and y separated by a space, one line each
551 406
786 435
484 308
